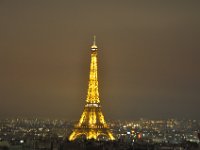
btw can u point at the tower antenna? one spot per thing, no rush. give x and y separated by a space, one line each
94 40
94 47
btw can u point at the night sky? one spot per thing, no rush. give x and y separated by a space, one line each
148 58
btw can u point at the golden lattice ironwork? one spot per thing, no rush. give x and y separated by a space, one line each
92 124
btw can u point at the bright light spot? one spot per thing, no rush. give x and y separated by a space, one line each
128 132
139 136
21 141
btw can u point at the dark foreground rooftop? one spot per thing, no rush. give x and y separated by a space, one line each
98 145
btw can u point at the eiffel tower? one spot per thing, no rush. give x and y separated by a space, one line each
92 124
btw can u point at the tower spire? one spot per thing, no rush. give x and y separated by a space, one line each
94 46
94 41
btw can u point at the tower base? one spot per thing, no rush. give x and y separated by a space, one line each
97 134
92 125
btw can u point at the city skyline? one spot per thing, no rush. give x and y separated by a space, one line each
148 67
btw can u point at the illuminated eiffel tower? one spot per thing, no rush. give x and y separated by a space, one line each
92 124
